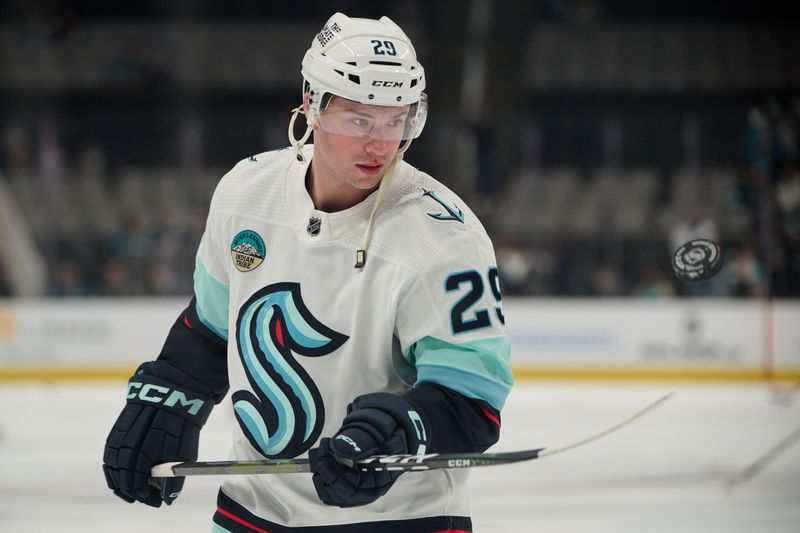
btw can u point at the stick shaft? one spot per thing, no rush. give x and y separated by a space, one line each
393 462
772 454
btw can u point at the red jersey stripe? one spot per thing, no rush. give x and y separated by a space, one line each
279 333
238 520
490 416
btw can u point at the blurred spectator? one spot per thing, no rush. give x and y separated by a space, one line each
653 284
115 278
786 139
756 145
547 274
133 247
170 238
745 275
606 282
162 279
783 138
697 225
514 265
784 221
67 279
174 244
787 193
197 224
785 267
5 282
783 277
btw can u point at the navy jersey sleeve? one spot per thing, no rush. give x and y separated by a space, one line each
197 343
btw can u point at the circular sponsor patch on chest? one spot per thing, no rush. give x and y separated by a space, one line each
247 250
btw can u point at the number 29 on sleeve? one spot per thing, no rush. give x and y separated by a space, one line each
464 316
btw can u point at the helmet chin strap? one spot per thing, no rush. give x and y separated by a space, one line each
361 253
297 144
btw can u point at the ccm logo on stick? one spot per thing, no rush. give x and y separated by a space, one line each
157 394
458 463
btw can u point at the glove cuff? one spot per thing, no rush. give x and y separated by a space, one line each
145 388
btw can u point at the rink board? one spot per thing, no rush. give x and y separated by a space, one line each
550 338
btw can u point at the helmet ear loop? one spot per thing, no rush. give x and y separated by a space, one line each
297 144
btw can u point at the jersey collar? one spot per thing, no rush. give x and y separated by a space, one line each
332 226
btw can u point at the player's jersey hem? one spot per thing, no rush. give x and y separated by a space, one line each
231 517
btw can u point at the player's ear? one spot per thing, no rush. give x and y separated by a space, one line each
306 96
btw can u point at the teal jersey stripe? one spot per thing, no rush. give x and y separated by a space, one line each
218 529
212 300
477 369
466 384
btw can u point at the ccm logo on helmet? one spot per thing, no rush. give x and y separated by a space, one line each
378 83
157 394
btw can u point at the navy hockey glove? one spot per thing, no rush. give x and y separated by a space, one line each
376 424
161 422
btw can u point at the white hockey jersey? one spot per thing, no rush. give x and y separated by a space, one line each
307 332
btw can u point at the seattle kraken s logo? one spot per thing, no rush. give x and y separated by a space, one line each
285 415
453 213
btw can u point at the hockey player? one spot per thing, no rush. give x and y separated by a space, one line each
338 293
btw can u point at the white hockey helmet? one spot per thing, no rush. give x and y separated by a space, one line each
367 61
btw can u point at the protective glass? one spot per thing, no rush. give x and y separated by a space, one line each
385 123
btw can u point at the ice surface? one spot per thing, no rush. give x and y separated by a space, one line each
664 473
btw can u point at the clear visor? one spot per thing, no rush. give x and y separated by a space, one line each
385 123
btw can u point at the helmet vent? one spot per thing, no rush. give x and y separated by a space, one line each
414 82
390 63
354 78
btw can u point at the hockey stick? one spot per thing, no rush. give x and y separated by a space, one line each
759 464
391 462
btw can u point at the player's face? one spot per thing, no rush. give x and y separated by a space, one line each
355 143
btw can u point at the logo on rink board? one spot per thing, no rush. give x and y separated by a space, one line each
247 250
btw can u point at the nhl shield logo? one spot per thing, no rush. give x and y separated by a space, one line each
247 250
314 225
